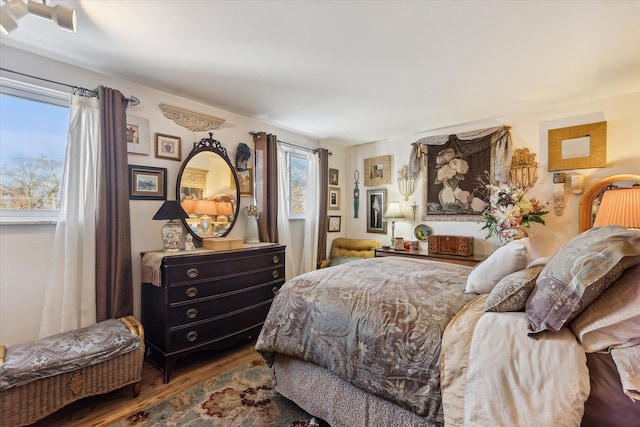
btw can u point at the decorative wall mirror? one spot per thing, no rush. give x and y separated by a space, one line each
205 190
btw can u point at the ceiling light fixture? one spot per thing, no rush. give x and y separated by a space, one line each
13 10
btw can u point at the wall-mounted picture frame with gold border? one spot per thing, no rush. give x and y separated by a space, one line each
578 147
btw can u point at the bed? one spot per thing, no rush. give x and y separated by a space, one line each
513 341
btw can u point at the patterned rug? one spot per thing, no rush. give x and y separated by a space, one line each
242 397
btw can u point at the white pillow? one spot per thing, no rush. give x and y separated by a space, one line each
505 260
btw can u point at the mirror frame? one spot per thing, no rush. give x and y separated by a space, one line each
210 145
586 202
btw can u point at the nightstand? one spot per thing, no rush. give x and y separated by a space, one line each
422 254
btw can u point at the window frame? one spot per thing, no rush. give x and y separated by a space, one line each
45 95
294 153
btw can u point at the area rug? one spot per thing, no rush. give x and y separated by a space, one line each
242 397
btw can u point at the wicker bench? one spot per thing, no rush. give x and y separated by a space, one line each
39 377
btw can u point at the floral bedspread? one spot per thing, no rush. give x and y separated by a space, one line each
377 323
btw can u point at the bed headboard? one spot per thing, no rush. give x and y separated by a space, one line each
586 203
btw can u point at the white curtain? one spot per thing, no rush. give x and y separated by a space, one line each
70 300
311 221
284 232
310 247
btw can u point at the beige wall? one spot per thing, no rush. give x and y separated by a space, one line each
622 114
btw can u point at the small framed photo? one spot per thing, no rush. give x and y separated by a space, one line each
334 198
137 135
245 179
333 176
147 183
376 204
334 223
168 147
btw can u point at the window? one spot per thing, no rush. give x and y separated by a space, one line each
297 167
33 137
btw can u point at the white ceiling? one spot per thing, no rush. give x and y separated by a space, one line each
356 71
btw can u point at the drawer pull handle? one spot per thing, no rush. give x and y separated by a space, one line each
192 292
275 274
192 273
276 259
192 336
274 290
192 313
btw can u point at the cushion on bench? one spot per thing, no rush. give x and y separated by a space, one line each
65 352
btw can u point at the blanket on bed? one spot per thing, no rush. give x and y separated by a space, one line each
377 323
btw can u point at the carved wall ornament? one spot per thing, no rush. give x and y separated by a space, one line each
195 122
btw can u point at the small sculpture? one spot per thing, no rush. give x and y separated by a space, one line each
188 243
252 213
243 154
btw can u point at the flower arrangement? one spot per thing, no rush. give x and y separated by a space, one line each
510 213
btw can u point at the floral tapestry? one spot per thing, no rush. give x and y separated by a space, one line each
454 167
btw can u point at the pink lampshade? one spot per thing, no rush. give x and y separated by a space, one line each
189 205
619 206
206 207
224 208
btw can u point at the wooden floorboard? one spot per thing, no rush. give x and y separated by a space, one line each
110 407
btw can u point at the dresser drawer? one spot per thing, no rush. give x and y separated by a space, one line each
235 283
220 304
198 334
217 267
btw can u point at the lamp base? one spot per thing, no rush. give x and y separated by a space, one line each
171 236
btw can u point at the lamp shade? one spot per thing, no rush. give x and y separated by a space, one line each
224 208
189 205
206 207
171 209
393 211
619 206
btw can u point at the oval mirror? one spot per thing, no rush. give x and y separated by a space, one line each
209 190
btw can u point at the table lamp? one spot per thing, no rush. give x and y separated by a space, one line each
393 212
225 209
619 206
171 231
206 209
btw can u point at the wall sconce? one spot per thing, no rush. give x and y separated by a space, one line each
558 193
524 169
577 184
406 183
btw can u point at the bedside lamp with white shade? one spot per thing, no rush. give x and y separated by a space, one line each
393 212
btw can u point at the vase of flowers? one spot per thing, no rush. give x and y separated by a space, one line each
510 213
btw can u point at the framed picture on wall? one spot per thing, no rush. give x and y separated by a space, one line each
334 223
334 198
376 202
333 176
147 183
168 147
245 178
137 135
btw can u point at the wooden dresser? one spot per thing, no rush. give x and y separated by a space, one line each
204 300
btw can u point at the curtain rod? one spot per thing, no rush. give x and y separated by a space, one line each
299 147
132 100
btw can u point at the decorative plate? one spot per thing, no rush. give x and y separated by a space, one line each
422 232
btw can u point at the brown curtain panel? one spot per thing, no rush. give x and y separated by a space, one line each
323 227
114 279
266 176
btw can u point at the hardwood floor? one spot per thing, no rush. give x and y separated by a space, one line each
108 408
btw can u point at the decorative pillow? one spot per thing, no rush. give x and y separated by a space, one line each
505 260
613 319
578 273
343 260
511 292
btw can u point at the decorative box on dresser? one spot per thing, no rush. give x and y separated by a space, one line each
204 299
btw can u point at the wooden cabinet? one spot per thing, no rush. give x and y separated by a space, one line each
209 300
451 259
